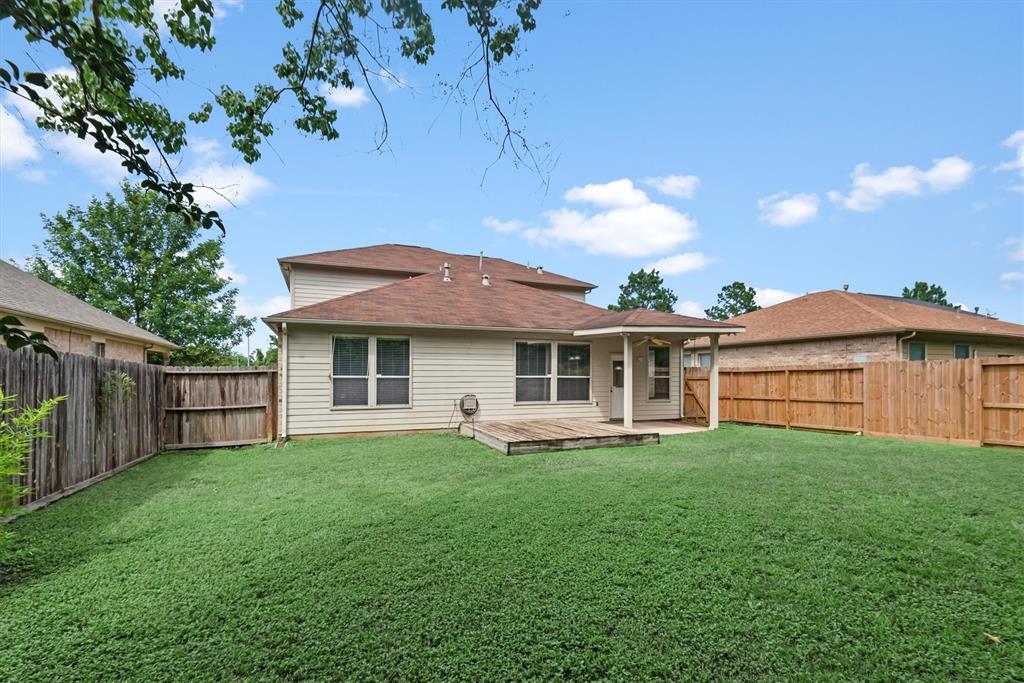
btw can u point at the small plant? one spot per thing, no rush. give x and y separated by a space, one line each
18 428
116 386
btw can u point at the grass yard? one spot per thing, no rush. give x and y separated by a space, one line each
748 553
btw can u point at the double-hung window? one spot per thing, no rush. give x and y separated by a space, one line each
392 372
350 373
357 360
533 372
573 372
659 372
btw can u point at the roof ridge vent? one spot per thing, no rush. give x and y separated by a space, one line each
447 268
540 270
485 280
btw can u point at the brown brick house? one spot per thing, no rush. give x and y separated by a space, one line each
846 327
70 324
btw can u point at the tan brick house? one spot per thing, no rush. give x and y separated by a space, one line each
847 327
70 324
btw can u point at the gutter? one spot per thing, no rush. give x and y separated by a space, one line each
899 343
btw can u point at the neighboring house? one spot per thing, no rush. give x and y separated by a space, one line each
70 324
389 337
846 327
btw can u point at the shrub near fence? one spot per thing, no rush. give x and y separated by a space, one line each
974 401
92 435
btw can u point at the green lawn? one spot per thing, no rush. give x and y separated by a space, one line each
746 553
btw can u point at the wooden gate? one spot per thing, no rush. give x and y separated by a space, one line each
696 393
211 407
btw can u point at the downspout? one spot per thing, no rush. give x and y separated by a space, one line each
899 343
283 381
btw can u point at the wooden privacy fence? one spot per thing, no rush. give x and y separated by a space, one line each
221 406
974 401
96 431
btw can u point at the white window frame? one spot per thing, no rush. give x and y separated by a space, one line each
371 373
378 376
652 374
589 375
969 349
516 376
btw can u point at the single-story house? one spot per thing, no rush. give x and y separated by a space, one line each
391 337
70 324
847 327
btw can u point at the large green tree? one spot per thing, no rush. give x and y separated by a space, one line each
133 259
733 300
645 289
125 54
923 291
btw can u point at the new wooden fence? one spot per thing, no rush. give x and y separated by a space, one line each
95 432
975 401
222 406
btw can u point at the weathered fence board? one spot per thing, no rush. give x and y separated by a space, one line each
229 406
91 436
972 401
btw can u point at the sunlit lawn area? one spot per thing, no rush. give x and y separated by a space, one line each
746 553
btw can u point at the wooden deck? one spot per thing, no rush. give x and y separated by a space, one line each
542 436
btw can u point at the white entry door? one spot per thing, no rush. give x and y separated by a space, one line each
618 373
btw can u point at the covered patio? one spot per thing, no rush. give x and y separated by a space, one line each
647 331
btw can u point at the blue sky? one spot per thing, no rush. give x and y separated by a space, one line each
795 147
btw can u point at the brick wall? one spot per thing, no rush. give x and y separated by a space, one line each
69 342
849 350
125 351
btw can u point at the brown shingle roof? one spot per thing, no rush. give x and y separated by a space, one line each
401 258
25 294
833 313
426 300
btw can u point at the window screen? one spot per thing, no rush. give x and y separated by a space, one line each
573 372
658 372
533 371
704 359
392 372
349 375
916 351
961 351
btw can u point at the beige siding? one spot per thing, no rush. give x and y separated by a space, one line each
446 365
940 347
313 285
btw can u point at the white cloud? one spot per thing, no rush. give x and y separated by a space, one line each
345 97
624 223
498 225
680 263
204 148
1015 142
1008 280
229 271
782 209
766 296
632 231
869 190
1016 245
690 308
674 185
16 145
260 309
224 185
105 168
616 194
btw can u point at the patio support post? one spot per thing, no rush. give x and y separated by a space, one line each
713 385
627 382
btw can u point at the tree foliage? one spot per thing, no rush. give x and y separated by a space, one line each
923 291
645 289
133 259
16 337
18 429
268 357
118 50
733 300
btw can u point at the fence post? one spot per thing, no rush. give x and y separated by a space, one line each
979 403
864 397
787 400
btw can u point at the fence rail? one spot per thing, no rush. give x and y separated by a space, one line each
974 401
92 435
